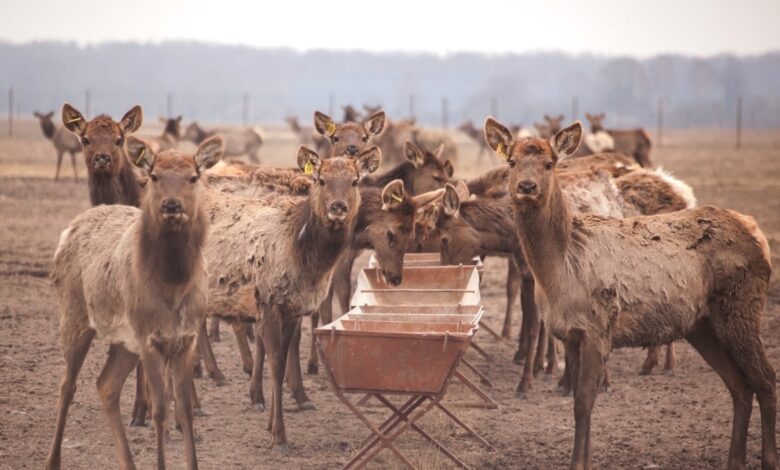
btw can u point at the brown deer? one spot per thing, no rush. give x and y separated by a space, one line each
633 142
553 123
105 258
111 178
170 136
351 114
349 137
62 140
475 134
287 249
700 274
238 142
305 134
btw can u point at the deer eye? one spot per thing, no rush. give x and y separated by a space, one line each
390 237
335 138
355 182
193 179
153 177
120 141
438 178
84 141
512 163
321 181
548 166
365 138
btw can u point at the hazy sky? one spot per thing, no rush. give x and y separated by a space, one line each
611 27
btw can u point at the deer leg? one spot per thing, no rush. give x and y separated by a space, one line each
589 370
73 164
59 164
512 291
341 285
74 348
197 366
704 340
181 369
313 367
256 383
208 356
552 356
141 404
154 367
214 330
671 359
529 311
650 361
243 345
252 154
109 384
528 307
540 349
277 333
293 372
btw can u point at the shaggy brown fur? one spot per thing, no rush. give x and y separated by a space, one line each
138 279
111 178
62 140
422 171
242 141
700 274
349 138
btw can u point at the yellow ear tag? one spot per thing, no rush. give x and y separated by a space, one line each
331 128
75 119
397 197
140 157
500 151
308 168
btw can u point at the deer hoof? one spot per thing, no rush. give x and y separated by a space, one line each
282 449
313 369
520 395
306 406
669 372
197 412
259 407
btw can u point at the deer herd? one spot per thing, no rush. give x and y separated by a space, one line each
603 250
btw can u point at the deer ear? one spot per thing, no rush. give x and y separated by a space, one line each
567 140
560 117
132 120
498 137
589 116
49 114
140 153
451 200
414 154
37 114
448 168
308 160
368 161
178 118
392 195
209 152
72 119
324 124
462 189
375 123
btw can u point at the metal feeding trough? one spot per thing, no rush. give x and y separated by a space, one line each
421 286
414 260
363 354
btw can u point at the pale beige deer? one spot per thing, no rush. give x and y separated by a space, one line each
63 141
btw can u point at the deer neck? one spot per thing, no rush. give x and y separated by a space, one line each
494 222
317 246
544 231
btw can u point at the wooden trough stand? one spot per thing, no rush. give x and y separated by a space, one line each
406 340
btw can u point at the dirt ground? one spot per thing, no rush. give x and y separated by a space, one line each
655 421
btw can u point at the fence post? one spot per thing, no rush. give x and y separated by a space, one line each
169 105
660 122
494 107
411 107
331 104
574 108
445 118
87 104
10 113
739 121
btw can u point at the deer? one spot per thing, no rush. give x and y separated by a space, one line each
697 274
475 134
351 114
170 136
110 176
105 259
305 135
633 142
349 137
63 141
238 142
287 249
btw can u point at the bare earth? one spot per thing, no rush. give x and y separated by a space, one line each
645 422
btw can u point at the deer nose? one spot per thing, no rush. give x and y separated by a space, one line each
102 159
526 187
338 207
171 206
352 150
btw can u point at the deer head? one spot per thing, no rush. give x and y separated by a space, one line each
349 138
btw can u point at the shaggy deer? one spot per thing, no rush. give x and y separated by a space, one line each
170 136
348 138
287 249
137 278
238 142
62 140
633 142
700 274
110 176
